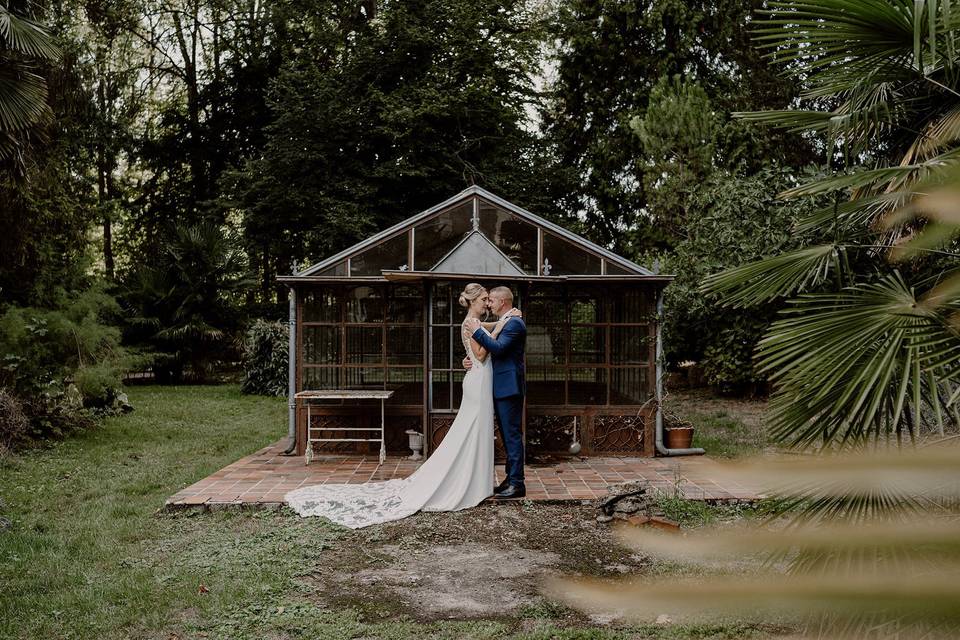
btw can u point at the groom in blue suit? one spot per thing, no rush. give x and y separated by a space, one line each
509 387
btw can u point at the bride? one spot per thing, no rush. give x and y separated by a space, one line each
458 475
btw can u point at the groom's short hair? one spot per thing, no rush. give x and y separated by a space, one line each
503 292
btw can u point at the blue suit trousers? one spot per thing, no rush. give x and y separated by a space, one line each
510 415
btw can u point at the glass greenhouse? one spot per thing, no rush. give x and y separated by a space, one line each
383 315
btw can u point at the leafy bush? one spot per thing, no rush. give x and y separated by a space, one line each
266 358
14 425
184 302
738 219
43 350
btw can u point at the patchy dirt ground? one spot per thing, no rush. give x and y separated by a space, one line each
486 562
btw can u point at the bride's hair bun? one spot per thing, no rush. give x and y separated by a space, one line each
470 293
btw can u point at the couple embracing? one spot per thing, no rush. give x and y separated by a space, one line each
459 473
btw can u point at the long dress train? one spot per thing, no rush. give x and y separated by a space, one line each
457 475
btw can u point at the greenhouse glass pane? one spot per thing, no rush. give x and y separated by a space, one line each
406 304
390 255
441 389
457 383
629 345
365 304
320 305
631 305
337 270
546 385
616 270
629 385
442 303
588 345
407 385
404 345
546 345
321 344
442 342
586 306
566 258
364 377
315 378
435 238
364 345
547 305
515 237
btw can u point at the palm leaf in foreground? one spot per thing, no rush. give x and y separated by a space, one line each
872 575
853 365
771 278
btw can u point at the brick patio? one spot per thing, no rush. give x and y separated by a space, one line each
264 477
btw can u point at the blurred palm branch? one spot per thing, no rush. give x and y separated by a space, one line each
880 557
868 347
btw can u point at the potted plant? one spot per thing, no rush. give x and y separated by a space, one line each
678 433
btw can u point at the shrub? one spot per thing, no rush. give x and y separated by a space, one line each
738 220
14 425
183 303
43 350
265 358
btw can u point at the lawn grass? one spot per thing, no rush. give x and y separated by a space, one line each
724 427
90 554
86 556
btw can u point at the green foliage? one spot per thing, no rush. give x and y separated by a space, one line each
184 306
23 92
386 118
615 60
46 205
266 358
860 353
42 350
678 134
737 219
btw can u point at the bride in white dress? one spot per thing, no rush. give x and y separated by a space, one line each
458 475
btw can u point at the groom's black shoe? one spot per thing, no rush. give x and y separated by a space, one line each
512 491
500 487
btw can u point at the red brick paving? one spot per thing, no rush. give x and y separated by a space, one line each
264 477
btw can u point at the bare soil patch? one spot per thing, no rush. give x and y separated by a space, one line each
489 562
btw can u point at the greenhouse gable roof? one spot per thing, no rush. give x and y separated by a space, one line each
475 232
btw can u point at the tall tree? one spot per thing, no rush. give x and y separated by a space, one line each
45 203
610 55
379 118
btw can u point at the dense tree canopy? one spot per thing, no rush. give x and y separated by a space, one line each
295 128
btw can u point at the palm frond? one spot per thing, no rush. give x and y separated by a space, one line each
26 37
939 132
771 278
847 365
855 216
23 99
890 177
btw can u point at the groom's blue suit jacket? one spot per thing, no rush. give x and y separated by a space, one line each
507 351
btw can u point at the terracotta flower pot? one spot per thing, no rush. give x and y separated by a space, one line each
679 437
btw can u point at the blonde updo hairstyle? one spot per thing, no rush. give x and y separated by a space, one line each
470 293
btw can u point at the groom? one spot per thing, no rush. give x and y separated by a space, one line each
509 386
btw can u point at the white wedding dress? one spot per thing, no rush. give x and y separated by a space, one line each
458 475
